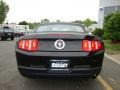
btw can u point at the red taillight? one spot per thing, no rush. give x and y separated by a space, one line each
93 45
28 45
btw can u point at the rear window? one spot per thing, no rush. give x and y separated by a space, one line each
63 28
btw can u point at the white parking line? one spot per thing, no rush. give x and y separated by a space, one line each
104 83
112 59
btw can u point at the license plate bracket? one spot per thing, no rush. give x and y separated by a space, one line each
59 65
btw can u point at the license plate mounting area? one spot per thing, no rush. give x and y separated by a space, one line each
59 65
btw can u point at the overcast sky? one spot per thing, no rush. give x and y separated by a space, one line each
64 10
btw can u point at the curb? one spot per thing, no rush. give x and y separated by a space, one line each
112 59
104 83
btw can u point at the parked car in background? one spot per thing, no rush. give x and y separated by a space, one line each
60 50
6 33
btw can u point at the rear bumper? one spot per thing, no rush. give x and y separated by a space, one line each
37 64
43 72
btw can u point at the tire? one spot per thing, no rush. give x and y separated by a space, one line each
94 77
2 38
12 38
26 75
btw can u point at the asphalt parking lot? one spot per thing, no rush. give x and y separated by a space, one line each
10 79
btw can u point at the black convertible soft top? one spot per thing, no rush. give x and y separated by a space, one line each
62 23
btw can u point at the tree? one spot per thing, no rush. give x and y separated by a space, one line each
108 17
87 22
78 21
23 23
112 27
45 20
98 32
105 24
34 25
58 21
94 22
4 8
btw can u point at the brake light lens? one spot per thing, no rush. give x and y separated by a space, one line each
93 45
28 45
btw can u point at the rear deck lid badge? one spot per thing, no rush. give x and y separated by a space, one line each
59 44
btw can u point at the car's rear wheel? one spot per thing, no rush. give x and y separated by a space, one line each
26 75
94 76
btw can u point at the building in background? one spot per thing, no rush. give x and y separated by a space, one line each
106 7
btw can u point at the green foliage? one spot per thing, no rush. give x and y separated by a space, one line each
78 21
4 8
87 22
112 26
34 25
45 20
58 21
98 32
111 48
107 18
23 23
106 36
94 22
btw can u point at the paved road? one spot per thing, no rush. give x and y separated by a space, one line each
10 79
111 73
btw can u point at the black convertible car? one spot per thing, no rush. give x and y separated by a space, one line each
59 49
